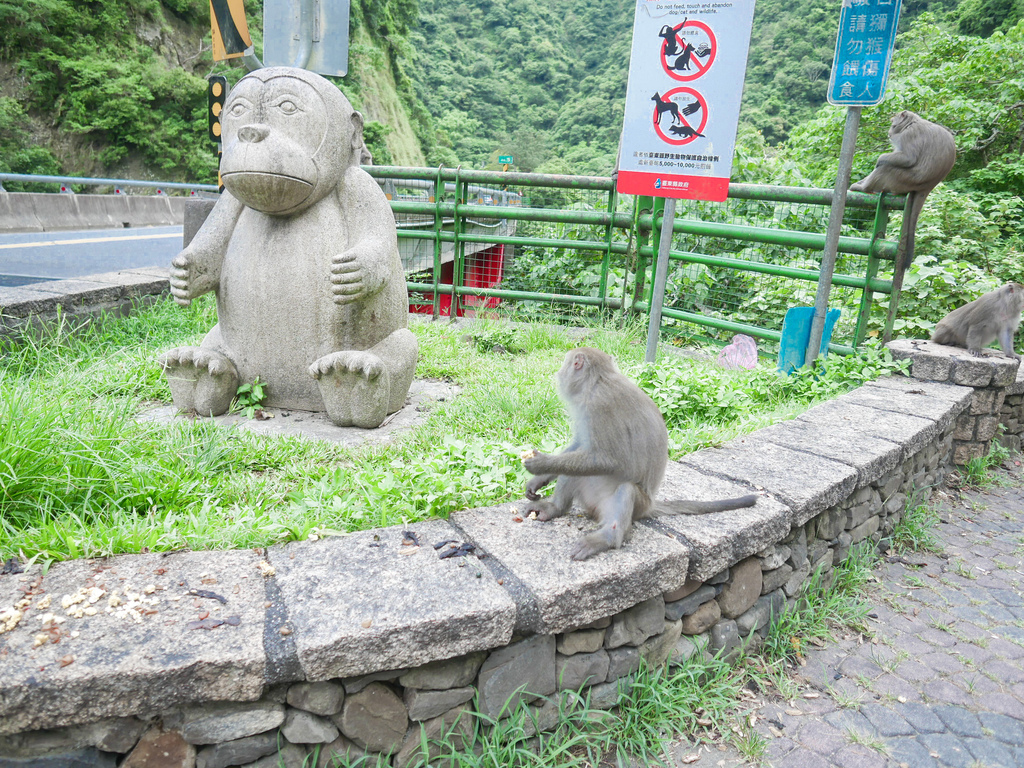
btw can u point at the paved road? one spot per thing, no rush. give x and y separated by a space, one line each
34 256
942 681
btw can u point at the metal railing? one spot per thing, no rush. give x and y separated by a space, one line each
727 238
97 182
571 244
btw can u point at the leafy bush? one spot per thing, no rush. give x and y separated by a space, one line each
692 391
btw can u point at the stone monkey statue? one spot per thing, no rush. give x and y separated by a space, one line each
616 460
995 315
302 253
924 154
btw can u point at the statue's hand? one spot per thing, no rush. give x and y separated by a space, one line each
181 278
347 278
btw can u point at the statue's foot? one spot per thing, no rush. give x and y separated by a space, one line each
200 380
354 386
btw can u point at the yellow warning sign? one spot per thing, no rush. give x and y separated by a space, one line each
230 31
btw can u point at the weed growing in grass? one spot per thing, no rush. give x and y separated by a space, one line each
977 472
821 608
698 697
249 397
915 532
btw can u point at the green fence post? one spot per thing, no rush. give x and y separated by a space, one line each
438 226
460 246
867 295
609 237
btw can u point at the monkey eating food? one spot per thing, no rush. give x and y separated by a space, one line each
616 459
995 315
925 153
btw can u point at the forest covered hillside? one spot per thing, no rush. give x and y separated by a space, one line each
117 87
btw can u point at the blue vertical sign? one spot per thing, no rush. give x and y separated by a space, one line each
867 33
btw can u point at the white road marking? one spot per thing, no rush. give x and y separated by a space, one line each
43 243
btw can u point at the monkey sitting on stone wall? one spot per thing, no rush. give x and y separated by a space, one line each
616 460
995 315
925 153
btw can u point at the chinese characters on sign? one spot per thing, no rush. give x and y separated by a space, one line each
867 31
686 74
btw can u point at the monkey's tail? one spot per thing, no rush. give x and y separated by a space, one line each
688 507
906 247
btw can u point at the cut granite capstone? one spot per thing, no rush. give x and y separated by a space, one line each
807 484
159 660
365 601
842 417
912 397
717 540
871 456
554 593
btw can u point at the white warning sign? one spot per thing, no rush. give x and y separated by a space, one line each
686 74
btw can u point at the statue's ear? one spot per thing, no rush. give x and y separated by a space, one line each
357 131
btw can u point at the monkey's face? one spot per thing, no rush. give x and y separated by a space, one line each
282 151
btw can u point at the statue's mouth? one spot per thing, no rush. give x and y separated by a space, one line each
268 192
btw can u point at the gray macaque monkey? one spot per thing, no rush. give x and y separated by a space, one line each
925 153
616 460
995 315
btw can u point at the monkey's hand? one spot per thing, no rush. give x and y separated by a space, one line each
535 483
545 509
347 282
536 463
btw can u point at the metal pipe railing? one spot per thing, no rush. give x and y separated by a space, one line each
97 182
616 233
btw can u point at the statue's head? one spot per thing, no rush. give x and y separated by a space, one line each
289 136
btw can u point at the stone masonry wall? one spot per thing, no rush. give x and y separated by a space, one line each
992 377
354 645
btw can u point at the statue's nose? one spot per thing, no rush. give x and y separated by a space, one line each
251 134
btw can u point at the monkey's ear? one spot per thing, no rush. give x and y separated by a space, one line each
357 130
578 361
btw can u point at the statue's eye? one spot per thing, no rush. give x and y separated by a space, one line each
238 109
288 107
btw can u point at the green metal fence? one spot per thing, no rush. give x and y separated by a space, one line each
572 246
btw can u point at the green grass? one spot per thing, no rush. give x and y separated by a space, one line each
915 532
978 471
821 608
81 475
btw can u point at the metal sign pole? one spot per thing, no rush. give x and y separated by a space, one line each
660 278
835 224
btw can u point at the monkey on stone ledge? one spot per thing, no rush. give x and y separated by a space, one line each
616 460
995 315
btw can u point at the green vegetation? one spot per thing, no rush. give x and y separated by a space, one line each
978 471
824 604
82 475
915 532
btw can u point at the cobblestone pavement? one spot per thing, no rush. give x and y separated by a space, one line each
941 682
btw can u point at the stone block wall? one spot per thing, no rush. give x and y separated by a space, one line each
361 644
991 376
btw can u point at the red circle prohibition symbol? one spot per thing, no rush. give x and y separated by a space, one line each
700 68
658 114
